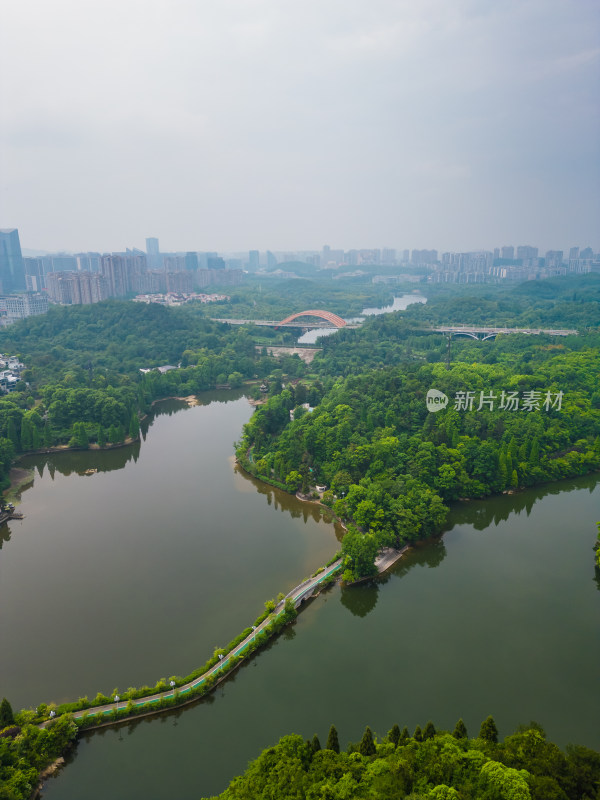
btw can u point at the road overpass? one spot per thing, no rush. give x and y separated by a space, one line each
486 332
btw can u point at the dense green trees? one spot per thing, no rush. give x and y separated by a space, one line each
277 298
488 730
393 467
26 749
332 740
83 380
389 339
524 767
6 714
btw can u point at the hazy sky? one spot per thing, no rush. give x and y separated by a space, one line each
237 124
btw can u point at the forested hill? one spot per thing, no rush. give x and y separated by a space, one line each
82 383
115 335
397 338
565 302
429 765
392 466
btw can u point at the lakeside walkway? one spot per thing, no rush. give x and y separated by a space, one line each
298 595
385 559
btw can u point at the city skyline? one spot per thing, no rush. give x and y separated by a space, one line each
469 125
254 256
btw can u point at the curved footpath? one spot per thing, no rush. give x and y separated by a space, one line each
297 595
387 558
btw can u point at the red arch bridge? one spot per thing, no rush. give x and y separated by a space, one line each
332 320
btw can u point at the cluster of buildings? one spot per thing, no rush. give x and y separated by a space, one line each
179 299
504 263
27 284
10 373
510 263
91 277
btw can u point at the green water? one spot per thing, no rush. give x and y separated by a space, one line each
138 571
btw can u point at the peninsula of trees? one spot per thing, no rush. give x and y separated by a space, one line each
392 466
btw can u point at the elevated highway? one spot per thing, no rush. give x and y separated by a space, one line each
485 332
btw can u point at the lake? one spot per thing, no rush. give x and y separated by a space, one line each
140 570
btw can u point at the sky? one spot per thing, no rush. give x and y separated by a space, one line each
265 124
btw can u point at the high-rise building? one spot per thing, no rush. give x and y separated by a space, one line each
114 270
191 261
527 253
153 253
253 260
76 288
64 262
12 269
424 257
179 281
508 252
35 280
271 260
554 258
88 262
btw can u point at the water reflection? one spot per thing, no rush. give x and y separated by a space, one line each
289 503
4 534
481 514
81 462
88 462
360 599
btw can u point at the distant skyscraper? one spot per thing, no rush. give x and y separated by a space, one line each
12 269
191 261
153 253
526 252
63 262
424 257
271 260
554 258
77 288
253 260
34 274
508 252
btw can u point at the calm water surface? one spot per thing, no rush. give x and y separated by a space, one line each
121 577
142 569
